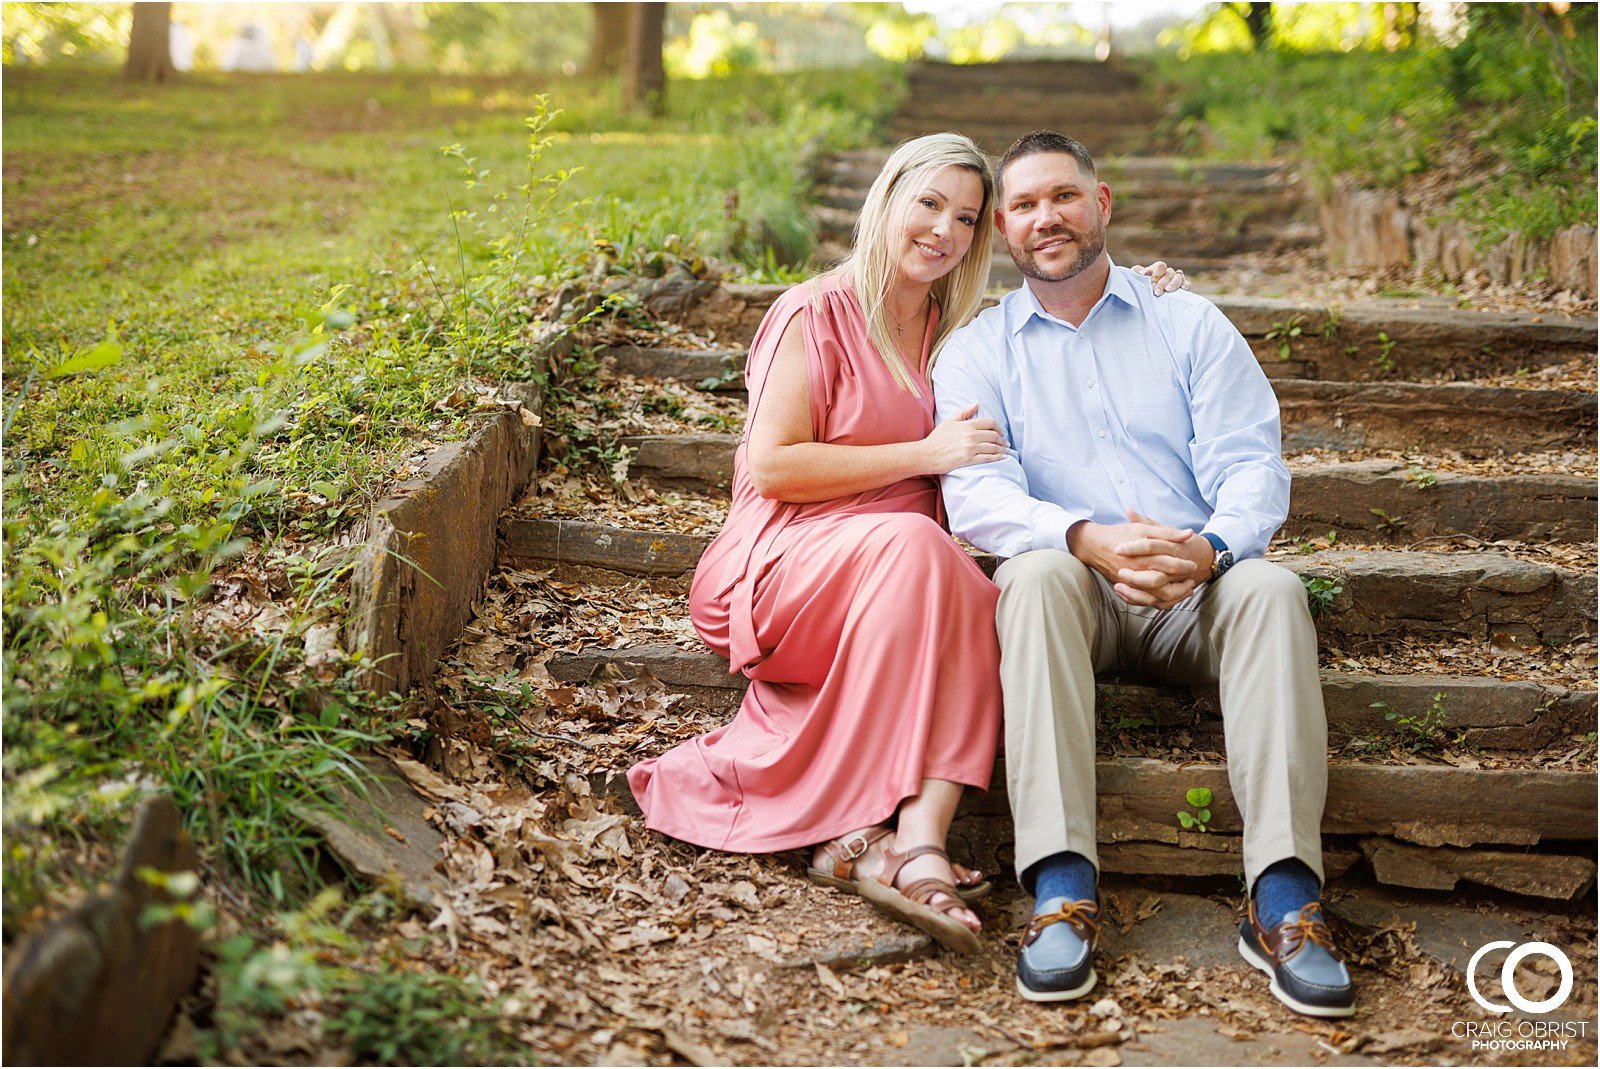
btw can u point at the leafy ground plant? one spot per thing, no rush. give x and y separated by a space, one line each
1198 815
1320 592
313 978
1417 734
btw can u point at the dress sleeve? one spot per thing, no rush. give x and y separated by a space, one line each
764 348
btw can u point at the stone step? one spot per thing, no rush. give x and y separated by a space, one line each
1487 714
994 137
1421 805
717 370
1121 113
1469 419
1466 418
1132 244
1380 593
1132 179
1361 341
1024 74
1431 806
1326 494
1230 215
1382 501
1473 596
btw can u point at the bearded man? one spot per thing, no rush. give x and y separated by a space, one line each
1143 481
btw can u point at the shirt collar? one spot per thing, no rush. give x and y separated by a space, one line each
1026 304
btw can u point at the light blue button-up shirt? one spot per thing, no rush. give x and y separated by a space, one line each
1154 404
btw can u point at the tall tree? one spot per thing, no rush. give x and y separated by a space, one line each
149 44
1258 20
609 44
644 79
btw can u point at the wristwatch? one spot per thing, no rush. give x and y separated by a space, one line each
1222 561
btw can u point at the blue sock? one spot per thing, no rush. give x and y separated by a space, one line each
1285 887
1064 875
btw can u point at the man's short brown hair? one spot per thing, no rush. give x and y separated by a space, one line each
1045 141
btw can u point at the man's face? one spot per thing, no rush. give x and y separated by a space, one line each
1052 216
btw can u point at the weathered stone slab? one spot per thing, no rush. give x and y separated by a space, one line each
386 835
1249 204
98 986
1425 341
431 545
1448 934
1474 420
1441 868
854 950
1200 930
528 538
1343 497
700 462
1325 494
1430 805
1489 713
722 367
1475 595
727 312
1202 855
668 664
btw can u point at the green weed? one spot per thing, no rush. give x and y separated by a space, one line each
1285 333
381 1012
1418 734
1389 525
1385 358
1198 815
1320 593
1422 479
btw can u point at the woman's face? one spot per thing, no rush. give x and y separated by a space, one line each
940 222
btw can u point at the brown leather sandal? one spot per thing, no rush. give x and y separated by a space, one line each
914 903
847 851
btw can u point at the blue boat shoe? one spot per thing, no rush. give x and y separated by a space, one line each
1056 962
1298 954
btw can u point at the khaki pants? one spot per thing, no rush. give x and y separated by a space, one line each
1249 632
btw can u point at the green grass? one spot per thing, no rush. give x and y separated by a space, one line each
1489 114
281 278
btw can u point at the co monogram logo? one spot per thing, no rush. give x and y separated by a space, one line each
1508 977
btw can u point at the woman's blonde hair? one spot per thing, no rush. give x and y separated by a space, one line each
872 259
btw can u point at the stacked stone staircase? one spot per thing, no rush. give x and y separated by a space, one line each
1201 214
1449 506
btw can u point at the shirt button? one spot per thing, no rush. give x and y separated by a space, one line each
1091 384
1119 478
1102 434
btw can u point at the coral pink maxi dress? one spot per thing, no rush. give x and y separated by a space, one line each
868 635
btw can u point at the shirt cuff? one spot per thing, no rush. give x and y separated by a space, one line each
1237 536
1052 534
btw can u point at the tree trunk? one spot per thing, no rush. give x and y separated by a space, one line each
149 48
610 41
1259 21
644 80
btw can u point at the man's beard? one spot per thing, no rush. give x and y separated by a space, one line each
1089 247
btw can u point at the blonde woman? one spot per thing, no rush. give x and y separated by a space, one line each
866 632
